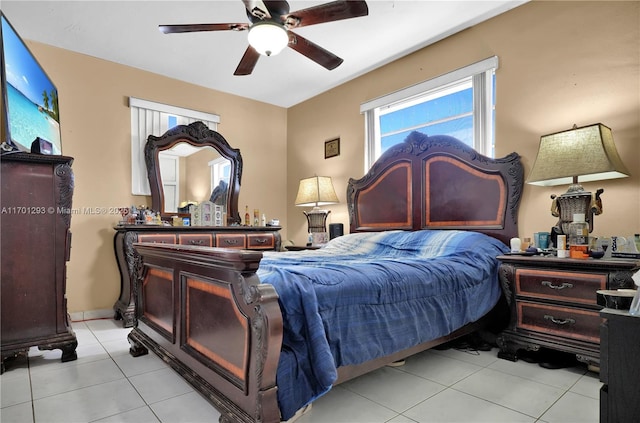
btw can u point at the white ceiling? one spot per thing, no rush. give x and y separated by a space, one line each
126 32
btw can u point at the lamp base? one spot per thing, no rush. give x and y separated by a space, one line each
576 201
317 220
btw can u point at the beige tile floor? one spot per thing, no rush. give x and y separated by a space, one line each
106 384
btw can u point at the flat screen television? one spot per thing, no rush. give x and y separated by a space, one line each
30 99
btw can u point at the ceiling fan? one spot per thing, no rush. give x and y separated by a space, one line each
271 25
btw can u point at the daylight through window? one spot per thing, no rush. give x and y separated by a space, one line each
460 104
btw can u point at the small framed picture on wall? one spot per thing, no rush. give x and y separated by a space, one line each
332 148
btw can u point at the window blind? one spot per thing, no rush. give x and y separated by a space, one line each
151 118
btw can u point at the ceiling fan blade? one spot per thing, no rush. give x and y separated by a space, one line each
314 52
327 12
175 29
248 62
257 8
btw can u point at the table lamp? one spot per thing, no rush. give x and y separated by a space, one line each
582 154
316 191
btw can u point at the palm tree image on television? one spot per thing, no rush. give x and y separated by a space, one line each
31 97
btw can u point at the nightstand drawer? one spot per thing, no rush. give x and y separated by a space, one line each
578 287
564 321
205 240
260 241
157 238
230 240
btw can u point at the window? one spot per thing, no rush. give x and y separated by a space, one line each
220 171
150 118
460 104
170 171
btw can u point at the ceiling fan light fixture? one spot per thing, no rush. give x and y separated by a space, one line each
268 38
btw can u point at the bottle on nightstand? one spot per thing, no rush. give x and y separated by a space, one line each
579 237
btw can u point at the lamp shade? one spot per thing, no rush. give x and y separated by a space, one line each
316 191
268 38
577 155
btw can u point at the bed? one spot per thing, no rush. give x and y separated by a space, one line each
263 334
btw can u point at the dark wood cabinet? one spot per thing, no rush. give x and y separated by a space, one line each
620 367
129 263
553 303
35 245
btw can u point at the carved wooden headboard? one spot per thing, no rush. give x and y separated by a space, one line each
438 182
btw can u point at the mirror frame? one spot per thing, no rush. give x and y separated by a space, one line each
198 135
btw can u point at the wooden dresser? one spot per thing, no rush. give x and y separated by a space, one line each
36 241
261 238
553 303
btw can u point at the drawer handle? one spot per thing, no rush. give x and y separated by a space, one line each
230 241
196 242
559 321
552 286
261 241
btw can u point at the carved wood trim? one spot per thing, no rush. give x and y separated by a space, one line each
65 183
621 280
507 277
199 135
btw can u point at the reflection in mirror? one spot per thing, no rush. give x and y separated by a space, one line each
220 175
191 175
190 164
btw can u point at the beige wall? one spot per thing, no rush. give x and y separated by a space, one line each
561 63
95 121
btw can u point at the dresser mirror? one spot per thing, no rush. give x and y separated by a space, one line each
191 164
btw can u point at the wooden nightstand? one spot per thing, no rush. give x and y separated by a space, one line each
553 303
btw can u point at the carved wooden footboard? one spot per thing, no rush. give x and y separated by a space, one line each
203 311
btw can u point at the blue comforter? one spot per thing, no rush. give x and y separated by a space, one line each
368 295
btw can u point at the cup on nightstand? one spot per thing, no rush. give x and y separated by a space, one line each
515 245
543 238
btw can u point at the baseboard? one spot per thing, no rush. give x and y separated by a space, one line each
80 316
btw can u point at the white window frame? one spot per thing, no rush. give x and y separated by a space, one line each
169 164
150 118
481 76
216 167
